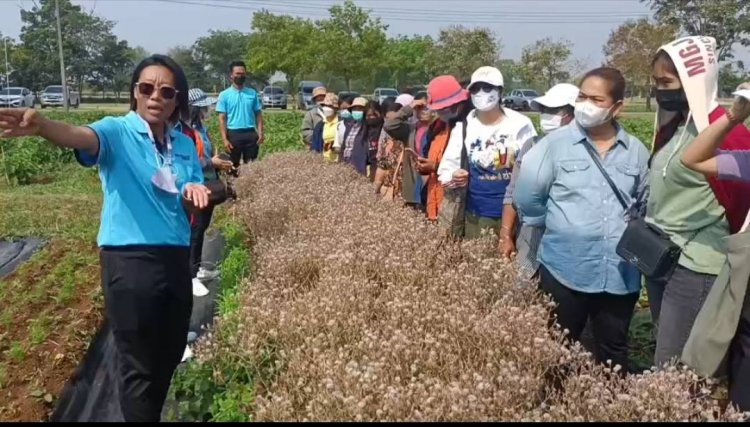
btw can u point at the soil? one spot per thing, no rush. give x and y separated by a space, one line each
32 385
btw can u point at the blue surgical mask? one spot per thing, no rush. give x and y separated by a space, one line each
345 114
358 115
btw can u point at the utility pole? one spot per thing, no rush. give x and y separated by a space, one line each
62 58
7 66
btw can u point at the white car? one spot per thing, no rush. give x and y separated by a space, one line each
52 96
16 97
380 94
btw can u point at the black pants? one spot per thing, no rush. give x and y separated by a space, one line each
610 317
244 145
148 300
197 234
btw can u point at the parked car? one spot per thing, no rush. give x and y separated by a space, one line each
304 94
274 97
52 96
344 93
520 99
16 97
381 93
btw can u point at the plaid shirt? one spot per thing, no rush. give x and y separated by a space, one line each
350 138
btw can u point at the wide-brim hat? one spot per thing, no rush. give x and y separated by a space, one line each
198 98
445 91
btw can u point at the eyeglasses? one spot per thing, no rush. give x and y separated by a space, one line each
147 89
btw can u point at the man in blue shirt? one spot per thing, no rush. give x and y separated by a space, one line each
240 117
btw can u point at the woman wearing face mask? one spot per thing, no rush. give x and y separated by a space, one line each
390 155
494 136
557 110
561 187
451 104
682 203
354 147
210 164
402 126
150 174
324 134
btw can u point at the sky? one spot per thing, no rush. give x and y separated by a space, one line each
158 25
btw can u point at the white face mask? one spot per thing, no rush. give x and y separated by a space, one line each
486 101
328 111
590 116
550 122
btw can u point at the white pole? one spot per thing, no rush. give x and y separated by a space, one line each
7 67
62 58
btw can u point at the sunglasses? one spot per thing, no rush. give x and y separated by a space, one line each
481 87
147 89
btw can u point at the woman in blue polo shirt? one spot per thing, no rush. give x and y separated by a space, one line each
150 175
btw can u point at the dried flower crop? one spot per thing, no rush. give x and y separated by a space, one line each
358 310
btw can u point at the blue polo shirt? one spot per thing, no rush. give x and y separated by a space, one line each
135 211
240 106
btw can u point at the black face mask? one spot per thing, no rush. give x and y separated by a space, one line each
672 99
239 80
375 121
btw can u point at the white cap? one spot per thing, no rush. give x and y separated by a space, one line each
489 75
558 96
404 99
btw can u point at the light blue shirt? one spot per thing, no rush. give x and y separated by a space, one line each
135 211
240 106
560 187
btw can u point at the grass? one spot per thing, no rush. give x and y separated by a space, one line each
51 304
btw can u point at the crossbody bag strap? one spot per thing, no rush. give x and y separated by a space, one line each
595 158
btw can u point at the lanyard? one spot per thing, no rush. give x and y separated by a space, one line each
161 160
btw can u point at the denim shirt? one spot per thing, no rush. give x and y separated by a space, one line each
561 188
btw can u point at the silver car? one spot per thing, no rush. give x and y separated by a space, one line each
520 99
16 97
382 93
274 97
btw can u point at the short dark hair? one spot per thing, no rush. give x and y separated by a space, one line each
663 56
348 99
421 96
374 106
388 104
237 64
613 76
393 107
182 109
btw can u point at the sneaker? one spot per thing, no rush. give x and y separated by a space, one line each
199 289
204 274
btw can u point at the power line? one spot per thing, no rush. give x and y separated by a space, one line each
476 17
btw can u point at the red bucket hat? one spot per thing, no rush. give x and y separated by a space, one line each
445 91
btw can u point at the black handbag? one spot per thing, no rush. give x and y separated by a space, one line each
642 244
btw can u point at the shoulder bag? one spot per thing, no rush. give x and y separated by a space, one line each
642 244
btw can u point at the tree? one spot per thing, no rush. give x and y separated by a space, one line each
732 75
282 43
459 51
630 48
113 58
513 74
728 21
217 50
12 47
194 70
407 59
84 38
545 63
353 40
